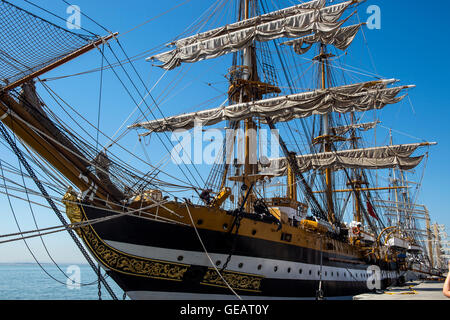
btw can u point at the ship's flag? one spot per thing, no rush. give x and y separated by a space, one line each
371 210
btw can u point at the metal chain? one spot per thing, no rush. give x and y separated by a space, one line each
233 247
237 223
319 291
52 204
99 286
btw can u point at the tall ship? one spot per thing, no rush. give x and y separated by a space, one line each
412 232
310 222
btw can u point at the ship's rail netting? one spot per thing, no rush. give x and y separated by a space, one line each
29 43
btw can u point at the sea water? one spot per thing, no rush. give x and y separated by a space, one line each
73 282
29 281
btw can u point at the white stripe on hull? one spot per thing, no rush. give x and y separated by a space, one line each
270 268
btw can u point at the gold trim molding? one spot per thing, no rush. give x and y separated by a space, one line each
124 263
136 266
237 281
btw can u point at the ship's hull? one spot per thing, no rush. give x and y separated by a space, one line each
151 259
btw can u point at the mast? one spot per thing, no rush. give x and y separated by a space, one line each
395 184
356 183
326 141
250 135
249 124
291 184
316 25
357 216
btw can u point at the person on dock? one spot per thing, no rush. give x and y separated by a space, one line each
446 289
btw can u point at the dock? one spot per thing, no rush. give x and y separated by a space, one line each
414 290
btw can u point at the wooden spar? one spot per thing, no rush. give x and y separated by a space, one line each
40 145
291 184
82 179
327 146
28 118
356 183
228 152
247 3
249 127
364 189
60 62
43 141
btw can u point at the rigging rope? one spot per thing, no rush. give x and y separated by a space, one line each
132 98
100 97
209 258
35 223
55 15
52 204
24 33
28 247
84 223
159 109
154 18
74 110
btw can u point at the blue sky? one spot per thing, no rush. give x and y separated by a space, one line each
410 46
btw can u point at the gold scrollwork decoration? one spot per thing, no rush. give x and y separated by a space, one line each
237 281
121 262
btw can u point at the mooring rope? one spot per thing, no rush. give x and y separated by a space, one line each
206 252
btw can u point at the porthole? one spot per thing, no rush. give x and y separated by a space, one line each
300 271
218 263
275 269
225 226
289 270
180 258
199 221
253 232
240 265
259 267
310 271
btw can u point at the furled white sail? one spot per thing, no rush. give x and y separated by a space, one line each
247 23
355 97
320 20
369 158
360 126
340 38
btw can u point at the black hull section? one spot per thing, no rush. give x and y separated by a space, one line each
134 273
270 288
